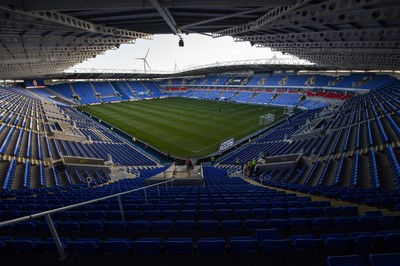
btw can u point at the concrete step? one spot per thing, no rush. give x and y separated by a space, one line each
334 202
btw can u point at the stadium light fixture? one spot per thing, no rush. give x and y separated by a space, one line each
181 43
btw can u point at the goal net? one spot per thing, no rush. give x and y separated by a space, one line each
288 110
266 119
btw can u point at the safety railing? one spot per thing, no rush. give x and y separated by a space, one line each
49 221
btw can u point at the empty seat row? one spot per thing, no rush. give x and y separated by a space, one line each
348 223
203 245
376 259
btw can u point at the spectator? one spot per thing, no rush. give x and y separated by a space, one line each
245 170
212 159
237 161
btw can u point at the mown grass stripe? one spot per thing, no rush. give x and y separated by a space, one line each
183 126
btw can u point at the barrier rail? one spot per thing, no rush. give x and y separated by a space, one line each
49 221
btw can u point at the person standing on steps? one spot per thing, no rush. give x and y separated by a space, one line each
245 170
212 160
237 161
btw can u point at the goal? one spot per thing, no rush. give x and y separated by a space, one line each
288 110
266 119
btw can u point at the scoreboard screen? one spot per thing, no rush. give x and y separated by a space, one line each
34 84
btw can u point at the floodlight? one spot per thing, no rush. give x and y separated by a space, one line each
181 43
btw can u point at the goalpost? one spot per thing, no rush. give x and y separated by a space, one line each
288 110
266 119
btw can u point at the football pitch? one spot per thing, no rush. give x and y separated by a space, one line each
182 126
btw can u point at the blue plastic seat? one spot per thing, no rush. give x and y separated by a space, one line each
314 211
185 225
276 245
323 222
179 245
207 225
373 213
82 246
151 214
224 213
115 226
93 239
25 226
263 234
20 245
253 224
278 212
302 223
249 204
331 211
220 205
242 213
10 214
231 225
346 222
97 215
260 213
369 241
160 206
308 244
367 221
243 245
126 239
205 214
4 238
389 220
211 245
130 207
62 215
189 206
392 240
361 233
385 259
205 206
79 215
138 225
175 206
296 212
333 235
48 246
265 205
114 246
151 245
188 214
170 214
133 215
85 207
161 226
349 210
92 226
323 203
145 206
68 226
278 223
305 236
346 260
339 242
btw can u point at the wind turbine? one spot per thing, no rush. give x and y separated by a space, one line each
176 69
144 61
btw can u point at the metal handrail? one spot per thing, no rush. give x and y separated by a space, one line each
46 214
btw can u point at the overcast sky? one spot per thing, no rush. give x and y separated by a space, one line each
164 52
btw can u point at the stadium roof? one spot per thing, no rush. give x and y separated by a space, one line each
243 67
43 37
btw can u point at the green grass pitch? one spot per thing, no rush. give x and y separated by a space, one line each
184 127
